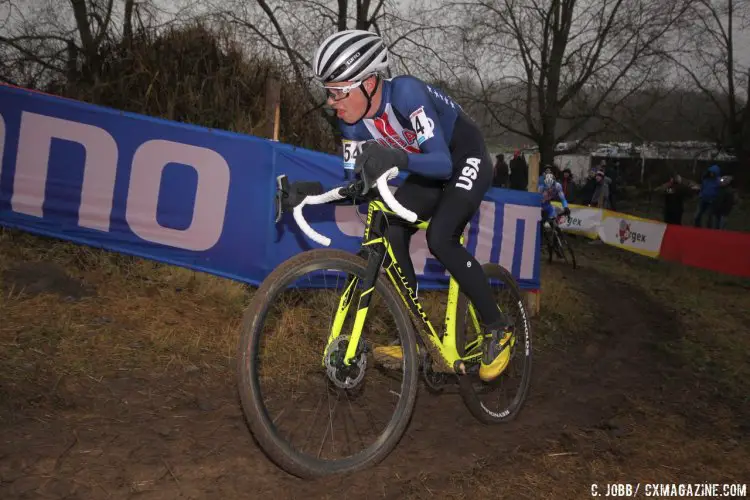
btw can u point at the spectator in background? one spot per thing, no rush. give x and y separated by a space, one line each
726 199
708 192
519 172
611 174
602 166
614 186
600 199
501 172
587 191
567 183
676 190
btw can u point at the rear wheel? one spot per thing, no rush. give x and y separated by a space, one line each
501 399
292 386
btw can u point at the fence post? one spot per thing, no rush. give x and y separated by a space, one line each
534 300
273 103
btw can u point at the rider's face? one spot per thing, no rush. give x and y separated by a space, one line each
349 106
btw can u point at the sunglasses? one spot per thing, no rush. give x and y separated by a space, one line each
339 93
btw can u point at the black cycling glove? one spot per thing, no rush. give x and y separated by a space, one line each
289 195
375 160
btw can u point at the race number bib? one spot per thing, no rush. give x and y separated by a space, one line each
351 150
423 126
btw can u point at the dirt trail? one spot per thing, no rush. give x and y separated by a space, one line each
152 437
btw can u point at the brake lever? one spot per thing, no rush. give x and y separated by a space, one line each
282 190
356 188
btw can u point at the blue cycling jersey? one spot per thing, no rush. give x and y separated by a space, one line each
413 116
549 194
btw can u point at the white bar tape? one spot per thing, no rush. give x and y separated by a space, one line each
333 195
390 200
318 199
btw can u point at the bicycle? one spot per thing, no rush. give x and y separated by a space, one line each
557 241
340 365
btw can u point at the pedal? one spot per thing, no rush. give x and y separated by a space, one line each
387 362
459 367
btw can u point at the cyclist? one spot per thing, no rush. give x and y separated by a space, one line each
406 123
551 190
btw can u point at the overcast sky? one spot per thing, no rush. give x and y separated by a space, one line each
167 9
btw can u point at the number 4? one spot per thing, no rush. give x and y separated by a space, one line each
418 127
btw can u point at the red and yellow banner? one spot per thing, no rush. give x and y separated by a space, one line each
717 250
632 233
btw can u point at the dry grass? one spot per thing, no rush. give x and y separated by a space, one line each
564 309
138 314
135 314
656 452
713 311
650 443
132 313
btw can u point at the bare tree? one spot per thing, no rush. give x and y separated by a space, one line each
707 53
290 30
48 39
543 65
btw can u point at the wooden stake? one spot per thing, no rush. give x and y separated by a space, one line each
277 121
533 182
273 98
534 300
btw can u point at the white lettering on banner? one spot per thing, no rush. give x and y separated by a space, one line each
349 223
531 216
32 167
484 237
99 171
420 253
210 197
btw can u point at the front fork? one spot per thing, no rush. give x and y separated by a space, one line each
375 254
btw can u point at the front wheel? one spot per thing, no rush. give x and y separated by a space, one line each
312 413
501 399
564 247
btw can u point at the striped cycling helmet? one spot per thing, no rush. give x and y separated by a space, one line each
350 55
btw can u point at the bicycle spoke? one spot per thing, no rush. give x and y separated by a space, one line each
295 337
331 413
315 418
354 421
500 399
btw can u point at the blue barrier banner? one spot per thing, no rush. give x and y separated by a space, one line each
202 198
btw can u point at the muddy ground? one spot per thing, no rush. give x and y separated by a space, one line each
613 398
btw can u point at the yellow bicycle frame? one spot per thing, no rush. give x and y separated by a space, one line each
376 239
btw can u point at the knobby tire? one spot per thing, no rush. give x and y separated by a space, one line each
467 390
261 426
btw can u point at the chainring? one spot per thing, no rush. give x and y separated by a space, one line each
435 381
